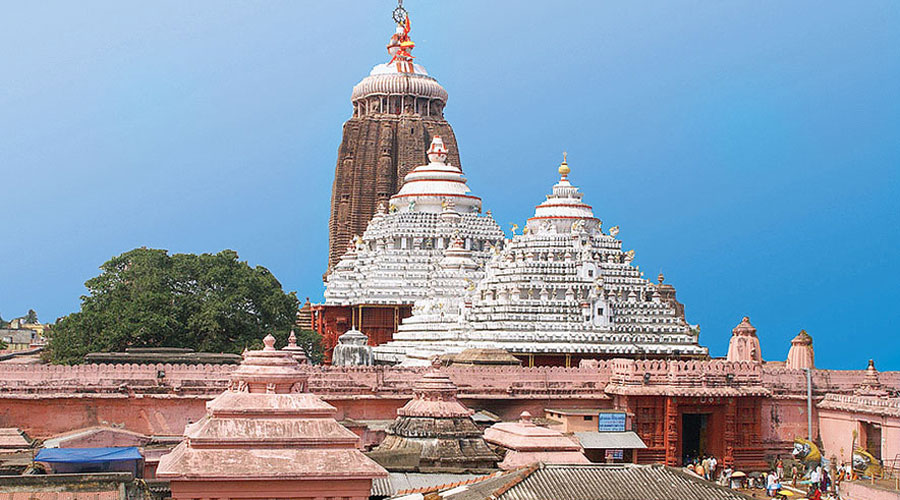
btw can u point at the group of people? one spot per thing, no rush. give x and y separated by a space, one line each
822 483
704 466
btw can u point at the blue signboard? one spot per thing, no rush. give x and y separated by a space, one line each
611 422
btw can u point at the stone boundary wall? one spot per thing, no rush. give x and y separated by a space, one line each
213 379
782 380
511 381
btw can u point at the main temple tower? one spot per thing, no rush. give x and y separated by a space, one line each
397 109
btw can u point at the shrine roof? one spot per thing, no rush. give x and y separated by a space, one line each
270 405
13 438
267 463
270 432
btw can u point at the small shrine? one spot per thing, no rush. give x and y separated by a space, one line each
352 349
524 443
434 432
267 437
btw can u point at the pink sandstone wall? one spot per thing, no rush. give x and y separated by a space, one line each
161 399
43 417
859 490
783 419
838 427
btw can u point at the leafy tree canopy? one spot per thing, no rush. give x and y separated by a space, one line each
311 342
148 298
31 317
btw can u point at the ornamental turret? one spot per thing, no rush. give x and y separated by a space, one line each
801 355
744 344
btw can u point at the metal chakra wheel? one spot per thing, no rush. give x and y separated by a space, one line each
400 13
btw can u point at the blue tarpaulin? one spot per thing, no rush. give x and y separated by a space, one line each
87 455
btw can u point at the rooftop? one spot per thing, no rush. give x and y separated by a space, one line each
583 482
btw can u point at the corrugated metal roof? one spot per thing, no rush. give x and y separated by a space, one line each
590 482
626 440
622 482
400 481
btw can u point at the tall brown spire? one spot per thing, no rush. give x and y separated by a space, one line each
397 109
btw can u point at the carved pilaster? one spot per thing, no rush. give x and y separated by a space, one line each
671 434
730 430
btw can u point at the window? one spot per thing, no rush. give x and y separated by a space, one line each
588 418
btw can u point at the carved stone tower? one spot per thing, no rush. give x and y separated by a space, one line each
397 109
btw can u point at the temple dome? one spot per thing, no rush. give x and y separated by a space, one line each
563 207
432 187
384 80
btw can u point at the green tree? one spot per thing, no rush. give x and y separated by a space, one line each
31 317
3 324
311 342
148 298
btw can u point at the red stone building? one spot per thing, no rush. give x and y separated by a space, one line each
377 321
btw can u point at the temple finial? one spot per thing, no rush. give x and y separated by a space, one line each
564 167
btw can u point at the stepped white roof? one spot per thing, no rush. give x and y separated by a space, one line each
432 238
562 286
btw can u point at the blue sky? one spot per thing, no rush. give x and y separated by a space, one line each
748 149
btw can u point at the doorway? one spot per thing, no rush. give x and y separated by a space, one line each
694 437
873 439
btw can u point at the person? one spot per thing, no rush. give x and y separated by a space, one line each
713 464
699 470
816 494
771 481
814 477
795 474
779 468
705 463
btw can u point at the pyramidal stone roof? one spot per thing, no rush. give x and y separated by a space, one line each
562 286
267 427
433 223
528 443
434 432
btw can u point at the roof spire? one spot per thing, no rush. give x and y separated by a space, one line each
564 167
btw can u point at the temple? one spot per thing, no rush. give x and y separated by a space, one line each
266 436
431 314
397 109
559 292
434 432
429 238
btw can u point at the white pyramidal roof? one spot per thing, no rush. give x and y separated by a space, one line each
562 286
432 236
